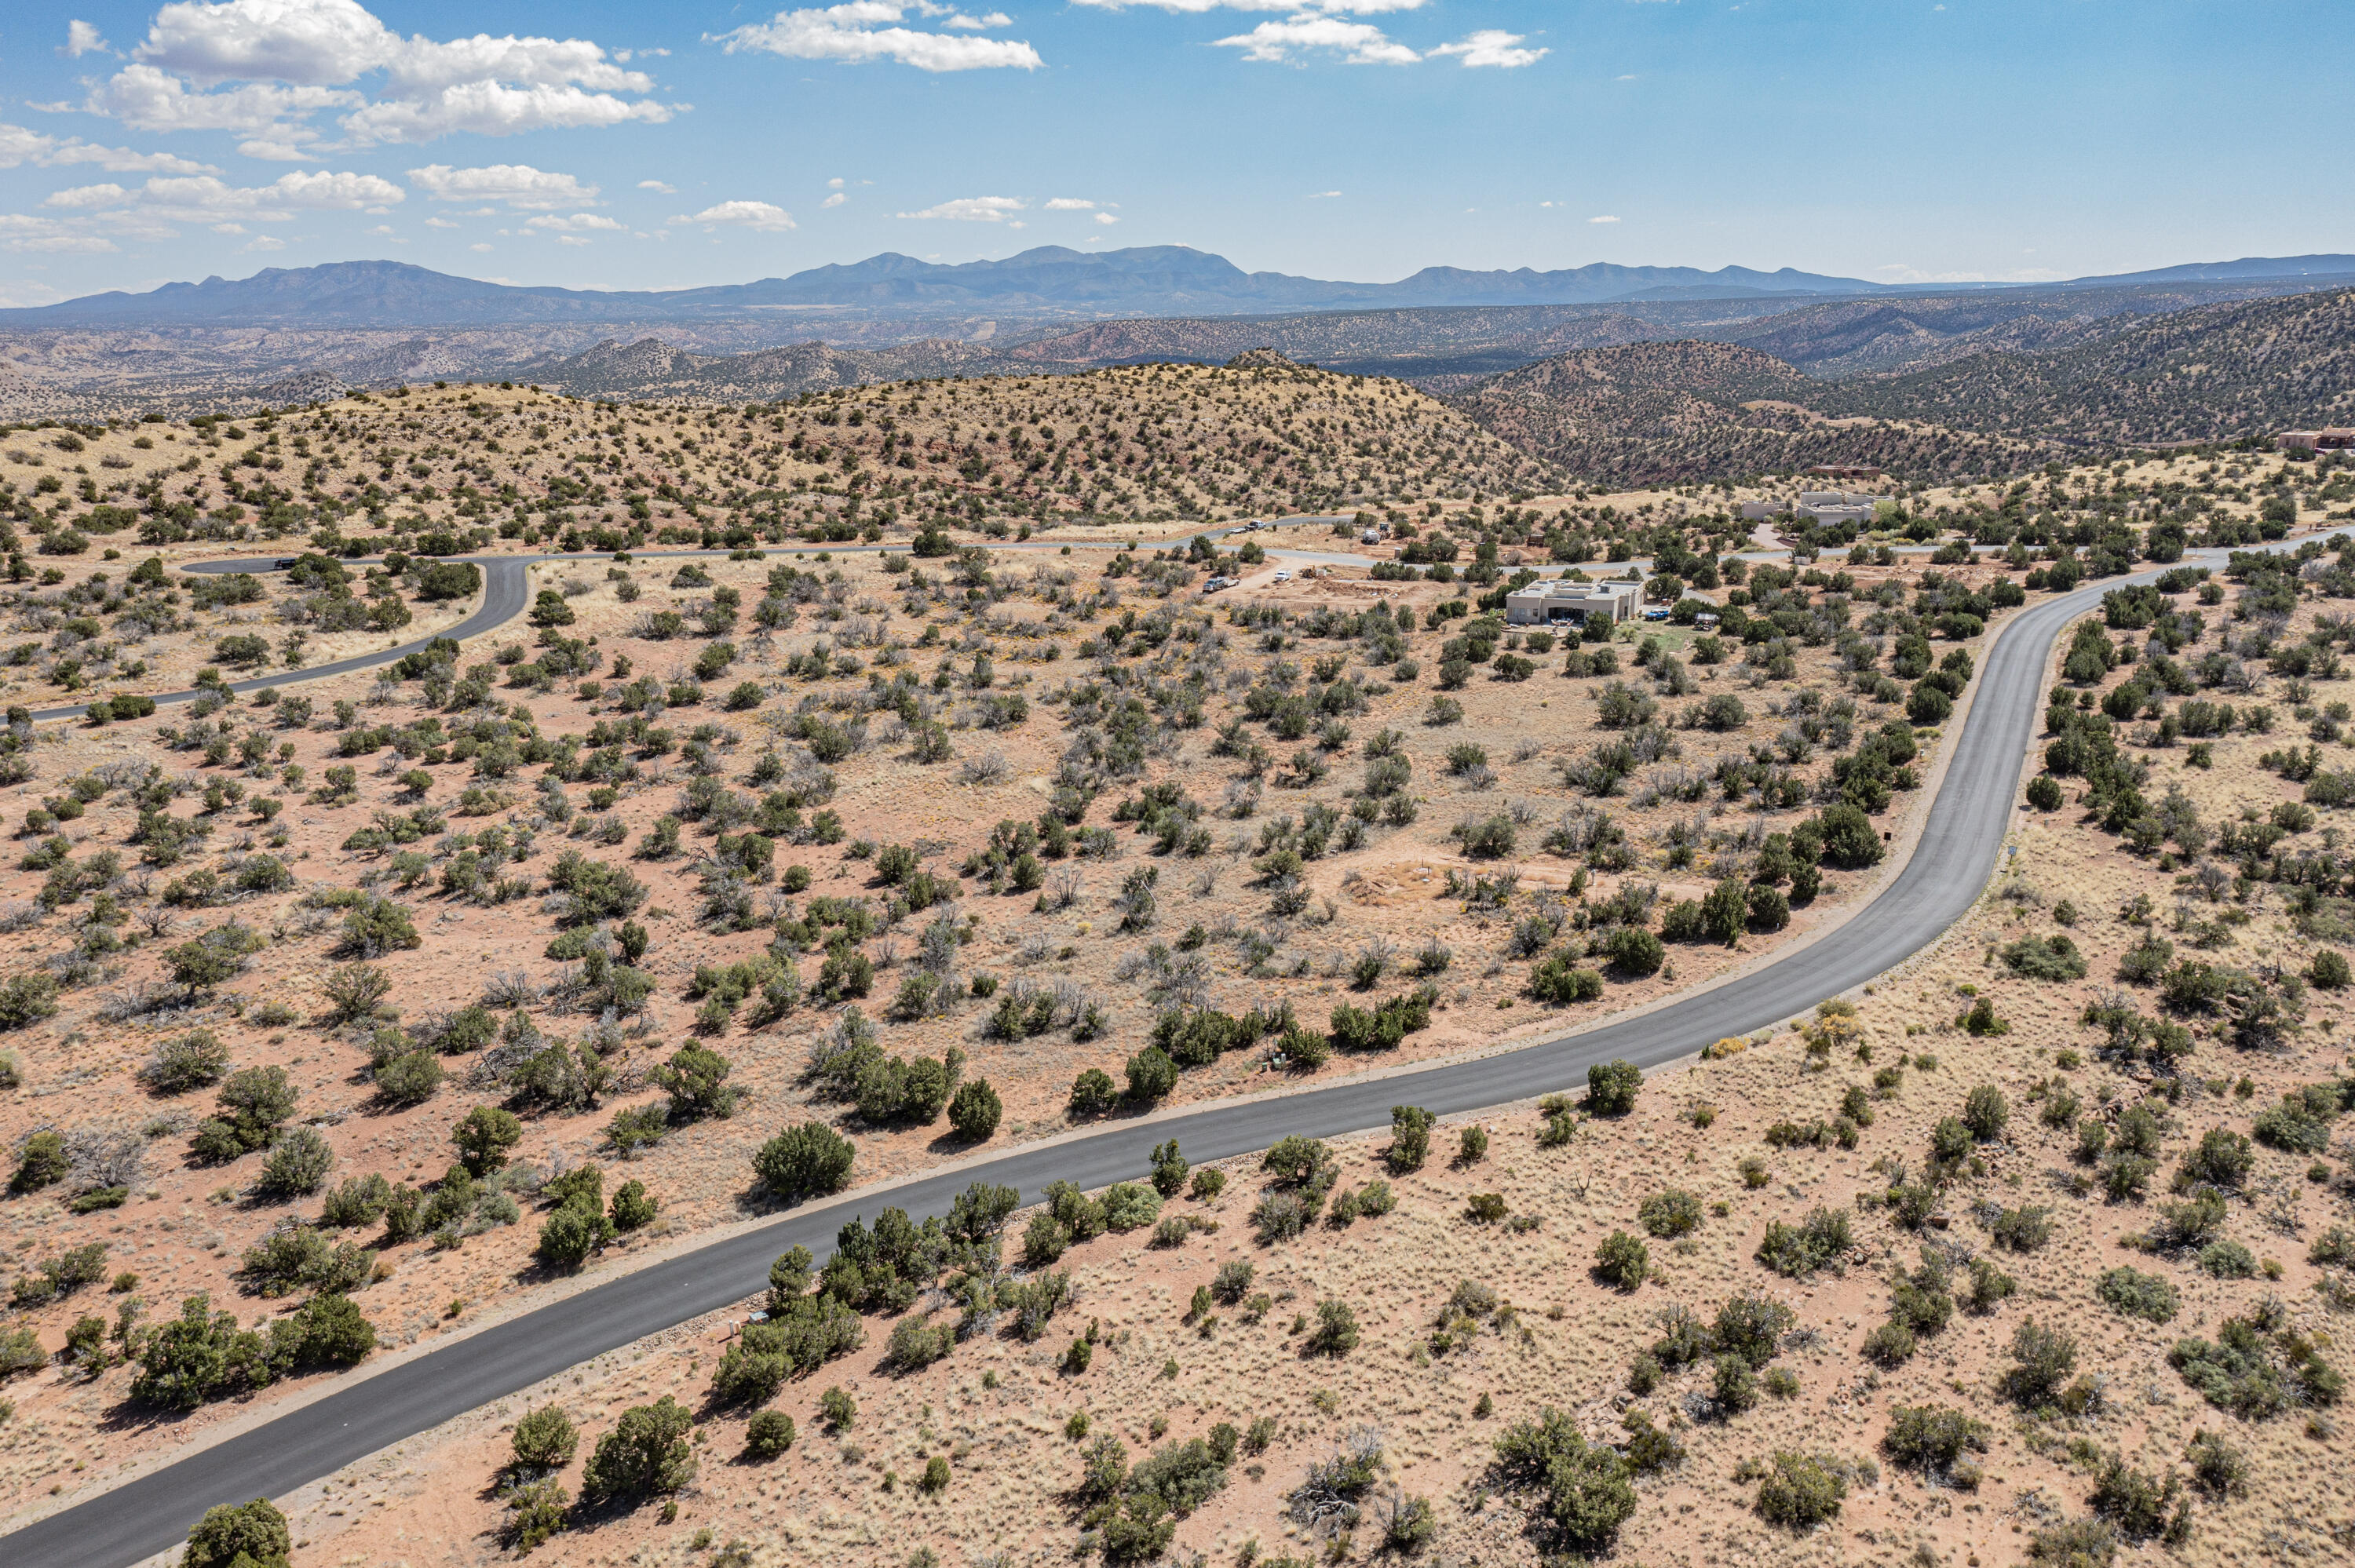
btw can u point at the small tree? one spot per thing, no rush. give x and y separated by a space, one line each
974 1111
789 1278
1587 1493
1612 1086
1801 1491
239 1533
697 1080
2041 1358
633 1208
1737 1384
769 1434
485 1136
43 1163
298 1164
646 1452
1634 951
804 1161
546 1439
191 1062
1335 1334
573 1231
1151 1075
1094 1093
1170 1169
1985 1112
1622 1261
354 992
1410 1138
212 960
253 1104
411 1078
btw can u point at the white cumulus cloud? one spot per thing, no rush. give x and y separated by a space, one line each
573 225
519 186
1070 204
1328 7
1106 217
657 188
995 19
271 116
92 217
755 215
869 30
1357 43
82 38
1493 47
201 197
266 67
973 210
32 234
1603 218
836 199
19 146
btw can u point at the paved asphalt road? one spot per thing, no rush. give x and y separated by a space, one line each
506 594
506 590
1963 836
504 582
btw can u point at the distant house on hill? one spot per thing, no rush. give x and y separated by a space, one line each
2336 438
1841 470
1819 505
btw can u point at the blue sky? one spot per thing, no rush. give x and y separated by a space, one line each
636 146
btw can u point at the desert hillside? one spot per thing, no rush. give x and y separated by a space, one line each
470 466
1668 412
1672 413
2039 1250
2214 374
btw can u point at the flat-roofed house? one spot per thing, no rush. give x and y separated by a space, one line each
1558 602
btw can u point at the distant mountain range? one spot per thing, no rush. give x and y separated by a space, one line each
1047 282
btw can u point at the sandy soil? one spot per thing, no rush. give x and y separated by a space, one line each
997 1407
185 1226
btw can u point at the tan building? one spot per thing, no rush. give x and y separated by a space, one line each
1819 505
2335 439
1559 602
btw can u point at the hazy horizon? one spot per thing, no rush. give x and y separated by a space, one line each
602 146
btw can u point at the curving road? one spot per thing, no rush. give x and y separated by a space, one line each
1964 830
505 582
507 593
